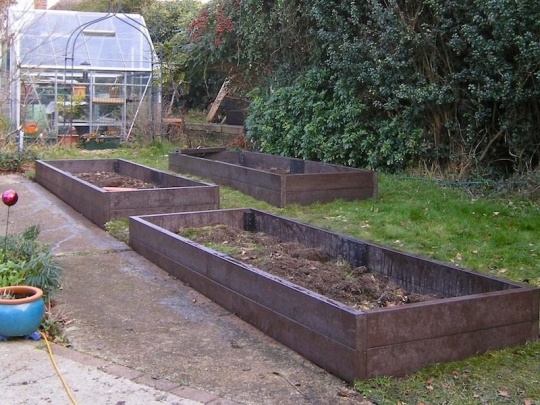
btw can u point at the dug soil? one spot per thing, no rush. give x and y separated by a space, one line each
112 179
309 268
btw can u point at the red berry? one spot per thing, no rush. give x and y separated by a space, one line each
10 197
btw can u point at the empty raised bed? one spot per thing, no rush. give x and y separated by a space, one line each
277 180
169 192
474 313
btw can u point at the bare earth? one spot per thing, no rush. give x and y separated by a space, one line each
111 179
306 267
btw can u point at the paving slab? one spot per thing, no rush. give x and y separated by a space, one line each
29 376
131 320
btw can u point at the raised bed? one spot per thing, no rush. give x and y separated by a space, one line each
475 313
173 193
277 180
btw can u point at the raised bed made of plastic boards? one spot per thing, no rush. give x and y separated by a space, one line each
277 180
161 192
473 313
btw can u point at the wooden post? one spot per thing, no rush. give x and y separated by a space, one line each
217 102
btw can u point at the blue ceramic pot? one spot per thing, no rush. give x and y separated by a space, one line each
21 314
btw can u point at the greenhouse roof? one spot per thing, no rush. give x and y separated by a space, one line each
73 40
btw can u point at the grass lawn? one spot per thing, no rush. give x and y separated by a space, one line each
492 235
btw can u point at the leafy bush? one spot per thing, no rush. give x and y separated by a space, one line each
466 75
24 260
13 162
11 273
457 84
317 119
167 23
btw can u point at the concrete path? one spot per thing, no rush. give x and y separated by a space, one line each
28 375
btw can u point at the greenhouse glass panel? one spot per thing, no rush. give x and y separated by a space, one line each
81 74
104 40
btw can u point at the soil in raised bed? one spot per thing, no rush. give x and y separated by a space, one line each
310 268
112 179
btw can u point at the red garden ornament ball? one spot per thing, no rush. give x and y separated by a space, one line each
10 197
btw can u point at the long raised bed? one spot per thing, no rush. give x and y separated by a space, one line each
475 313
277 180
173 193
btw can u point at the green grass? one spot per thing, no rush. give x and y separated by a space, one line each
495 236
509 376
119 228
154 155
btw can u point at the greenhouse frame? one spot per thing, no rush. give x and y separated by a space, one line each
80 74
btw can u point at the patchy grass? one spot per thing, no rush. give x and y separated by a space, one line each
119 229
154 155
509 376
493 235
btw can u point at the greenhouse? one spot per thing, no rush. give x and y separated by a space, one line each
79 74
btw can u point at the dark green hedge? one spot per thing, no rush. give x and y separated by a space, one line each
453 85
466 73
318 119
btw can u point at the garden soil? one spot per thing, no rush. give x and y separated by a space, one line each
307 267
119 308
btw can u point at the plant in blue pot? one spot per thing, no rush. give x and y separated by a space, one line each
21 311
27 274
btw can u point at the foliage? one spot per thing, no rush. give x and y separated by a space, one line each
126 6
449 85
70 107
467 75
315 118
11 273
458 82
167 24
274 40
212 51
245 42
25 260
14 161
52 327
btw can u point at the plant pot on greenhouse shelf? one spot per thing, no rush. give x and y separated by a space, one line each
21 311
